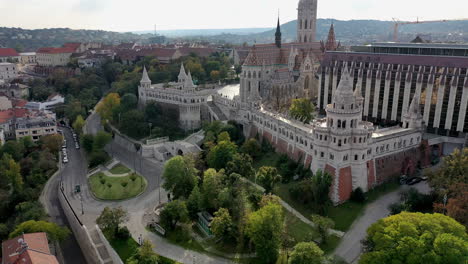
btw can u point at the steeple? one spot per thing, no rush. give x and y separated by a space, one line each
331 44
145 78
182 74
278 34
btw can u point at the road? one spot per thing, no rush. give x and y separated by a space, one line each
74 173
350 246
70 249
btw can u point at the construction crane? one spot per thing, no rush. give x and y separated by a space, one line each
398 23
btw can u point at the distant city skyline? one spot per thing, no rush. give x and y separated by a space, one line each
141 15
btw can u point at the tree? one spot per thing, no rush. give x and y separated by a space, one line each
110 220
101 140
107 106
222 225
252 147
13 173
307 253
212 186
323 226
320 184
78 124
173 213
268 177
240 164
87 142
454 170
457 205
54 232
302 109
416 238
52 142
221 154
144 254
215 75
264 227
180 176
31 210
194 202
129 102
224 136
14 148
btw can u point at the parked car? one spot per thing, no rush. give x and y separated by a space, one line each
77 146
65 160
414 180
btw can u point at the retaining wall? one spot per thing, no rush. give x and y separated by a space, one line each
113 255
81 232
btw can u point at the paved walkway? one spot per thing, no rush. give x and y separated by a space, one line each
350 246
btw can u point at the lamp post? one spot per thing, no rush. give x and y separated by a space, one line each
150 125
82 208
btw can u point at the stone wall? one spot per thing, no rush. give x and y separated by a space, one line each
81 232
113 255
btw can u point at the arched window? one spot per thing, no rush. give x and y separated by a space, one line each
339 123
300 24
305 38
255 75
344 124
307 83
305 27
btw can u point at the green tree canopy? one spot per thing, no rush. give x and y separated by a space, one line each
180 176
212 186
268 177
144 255
302 109
307 253
111 219
222 225
173 213
241 164
221 154
416 238
454 170
252 147
54 232
107 106
101 140
79 124
264 227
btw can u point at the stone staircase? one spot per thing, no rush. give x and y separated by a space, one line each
217 111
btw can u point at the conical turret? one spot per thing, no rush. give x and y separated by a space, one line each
145 78
182 75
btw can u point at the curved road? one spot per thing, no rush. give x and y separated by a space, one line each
74 173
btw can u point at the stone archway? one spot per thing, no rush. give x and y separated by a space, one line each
180 152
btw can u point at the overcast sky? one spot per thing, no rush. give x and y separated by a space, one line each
134 15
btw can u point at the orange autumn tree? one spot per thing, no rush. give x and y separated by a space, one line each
457 204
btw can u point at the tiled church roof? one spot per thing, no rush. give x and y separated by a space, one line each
270 54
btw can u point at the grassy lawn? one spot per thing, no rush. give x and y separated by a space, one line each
183 238
300 231
343 215
267 159
119 169
126 248
116 191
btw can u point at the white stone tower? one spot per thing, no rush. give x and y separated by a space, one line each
145 84
413 118
306 21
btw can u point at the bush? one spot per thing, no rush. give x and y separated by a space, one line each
109 185
103 181
358 195
97 158
124 183
133 177
123 233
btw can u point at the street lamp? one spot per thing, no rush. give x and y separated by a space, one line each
82 209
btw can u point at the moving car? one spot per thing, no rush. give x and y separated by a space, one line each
413 180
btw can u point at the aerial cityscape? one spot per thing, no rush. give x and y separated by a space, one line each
223 138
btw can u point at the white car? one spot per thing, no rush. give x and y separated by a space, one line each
77 146
65 160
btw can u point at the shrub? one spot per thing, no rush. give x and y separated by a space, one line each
103 181
123 233
358 195
124 183
109 185
97 158
133 177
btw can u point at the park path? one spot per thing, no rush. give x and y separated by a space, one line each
350 247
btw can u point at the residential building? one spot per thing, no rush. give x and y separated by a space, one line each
52 57
9 55
5 103
2 137
28 58
15 90
35 127
52 101
8 71
28 249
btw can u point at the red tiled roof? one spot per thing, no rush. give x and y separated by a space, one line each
270 54
8 52
49 50
202 52
158 52
35 250
11 113
73 46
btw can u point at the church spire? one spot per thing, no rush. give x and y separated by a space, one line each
278 34
145 78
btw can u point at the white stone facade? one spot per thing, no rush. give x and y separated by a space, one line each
183 94
49 59
8 71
